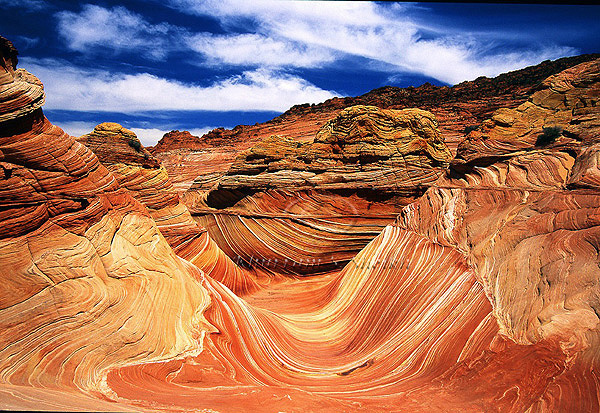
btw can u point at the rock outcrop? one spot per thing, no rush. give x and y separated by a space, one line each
332 195
483 295
521 203
371 338
147 181
457 109
297 233
363 148
20 92
89 283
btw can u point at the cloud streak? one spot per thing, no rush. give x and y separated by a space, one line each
251 49
363 29
116 28
71 88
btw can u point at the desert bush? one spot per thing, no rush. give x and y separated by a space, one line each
470 128
135 144
548 135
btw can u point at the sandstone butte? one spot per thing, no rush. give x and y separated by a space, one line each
457 109
481 295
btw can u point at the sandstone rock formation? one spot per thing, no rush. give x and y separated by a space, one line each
457 109
335 346
297 233
332 195
89 283
488 285
525 211
363 148
20 92
483 295
147 181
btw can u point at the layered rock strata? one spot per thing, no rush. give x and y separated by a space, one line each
482 296
401 314
147 181
89 282
458 109
296 233
332 195
363 148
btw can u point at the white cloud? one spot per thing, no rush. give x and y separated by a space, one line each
117 28
76 128
254 49
148 136
72 88
366 29
201 131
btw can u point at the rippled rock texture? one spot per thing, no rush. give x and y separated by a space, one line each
482 295
331 196
458 109
89 282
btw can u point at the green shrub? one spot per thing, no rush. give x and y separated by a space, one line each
135 144
548 135
470 128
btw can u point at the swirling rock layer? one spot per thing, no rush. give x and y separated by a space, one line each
527 217
363 148
297 232
89 283
373 351
483 295
331 196
147 181
20 92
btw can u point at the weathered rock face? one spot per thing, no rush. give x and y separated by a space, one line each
89 283
363 148
524 208
561 116
297 233
20 92
147 181
456 109
188 157
113 144
331 195
397 317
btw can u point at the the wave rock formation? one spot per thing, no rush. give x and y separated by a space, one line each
472 286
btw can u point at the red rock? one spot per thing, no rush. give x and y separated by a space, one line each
482 296
456 108
89 282
527 217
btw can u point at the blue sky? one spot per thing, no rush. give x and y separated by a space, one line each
157 65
